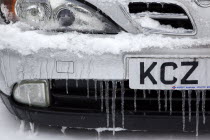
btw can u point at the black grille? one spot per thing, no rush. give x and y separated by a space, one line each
169 14
138 7
147 101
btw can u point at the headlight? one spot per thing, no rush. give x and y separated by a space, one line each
33 11
32 93
64 15
203 3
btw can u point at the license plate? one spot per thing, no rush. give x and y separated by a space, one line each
177 74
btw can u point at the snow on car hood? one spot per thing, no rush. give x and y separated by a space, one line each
22 39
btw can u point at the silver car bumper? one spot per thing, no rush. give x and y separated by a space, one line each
15 67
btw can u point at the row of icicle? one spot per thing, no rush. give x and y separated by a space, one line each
200 96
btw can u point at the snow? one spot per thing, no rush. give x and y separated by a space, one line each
23 39
147 22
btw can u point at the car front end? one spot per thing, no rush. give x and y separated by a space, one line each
133 64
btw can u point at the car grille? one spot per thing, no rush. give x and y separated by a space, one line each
165 13
90 96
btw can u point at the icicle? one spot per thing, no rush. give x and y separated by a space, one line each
114 86
99 135
149 91
135 95
22 126
170 100
40 70
197 111
159 103
67 87
47 68
166 100
63 129
77 84
204 106
102 95
148 4
28 95
95 85
144 94
162 4
107 101
183 110
32 127
50 83
5 74
54 64
189 104
122 103
88 89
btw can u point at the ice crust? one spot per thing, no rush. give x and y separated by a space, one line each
25 40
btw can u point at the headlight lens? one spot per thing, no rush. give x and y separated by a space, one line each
75 16
32 93
65 15
32 11
203 3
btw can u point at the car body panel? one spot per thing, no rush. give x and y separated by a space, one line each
199 15
42 62
15 67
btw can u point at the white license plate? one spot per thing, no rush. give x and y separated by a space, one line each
163 73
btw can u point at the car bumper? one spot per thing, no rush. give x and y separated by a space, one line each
107 67
72 119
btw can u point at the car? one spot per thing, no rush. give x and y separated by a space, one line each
138 89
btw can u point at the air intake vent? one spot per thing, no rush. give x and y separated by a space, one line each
162 17
155 7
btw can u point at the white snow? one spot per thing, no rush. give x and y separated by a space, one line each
147 22
99 130
23 39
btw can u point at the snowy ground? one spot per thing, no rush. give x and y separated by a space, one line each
10 129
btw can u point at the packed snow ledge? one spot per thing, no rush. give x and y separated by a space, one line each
21 38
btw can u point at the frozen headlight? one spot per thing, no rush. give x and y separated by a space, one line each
203 3
62 15
76 16
33 11
32 93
